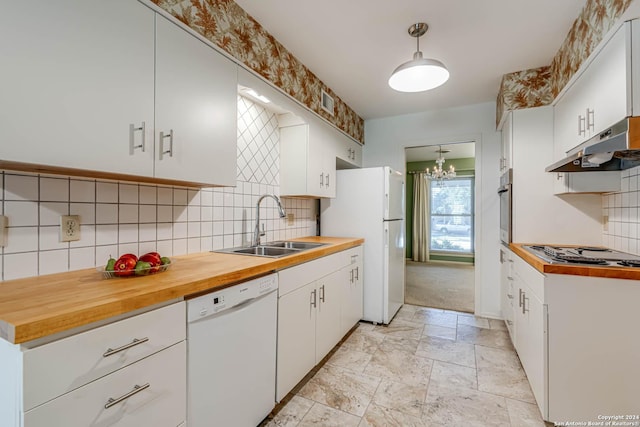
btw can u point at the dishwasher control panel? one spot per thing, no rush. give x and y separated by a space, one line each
228 298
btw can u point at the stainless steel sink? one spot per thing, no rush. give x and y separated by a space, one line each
294 245
267 251
273 249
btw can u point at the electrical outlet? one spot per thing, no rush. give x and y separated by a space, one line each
290 219
3 231
69 228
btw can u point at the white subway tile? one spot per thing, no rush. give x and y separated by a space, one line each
148 195
193 245
193 197
179 230
206 197
128 233
129 248
106 213
106 235
50 212
179 197
228 241
193 213
17 266
145 247
165 247
624 183
237 240
54 189
87 237
180 214
164 231
128 193
103 253
165 196
218 213
53 261
147 232
228 200
218 228
80 258
218 243
50 239
20 187
165 213
228 213
106 192
206 213
633 183
86 211
193 229
128 214
218 199
82 191
228 227
147 214
21 213
179 247
206 228
206 244
21 239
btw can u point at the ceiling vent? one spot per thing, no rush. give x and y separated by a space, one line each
327 102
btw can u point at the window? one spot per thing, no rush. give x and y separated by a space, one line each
452 215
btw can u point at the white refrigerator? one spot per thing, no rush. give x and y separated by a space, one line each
369 203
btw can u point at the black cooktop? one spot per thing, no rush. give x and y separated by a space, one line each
587 255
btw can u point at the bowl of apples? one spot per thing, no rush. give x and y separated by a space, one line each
130 265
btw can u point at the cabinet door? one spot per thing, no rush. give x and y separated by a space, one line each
530 339
506 284
328 331
352 305
196 109
75 75
162 403
569 121
296 337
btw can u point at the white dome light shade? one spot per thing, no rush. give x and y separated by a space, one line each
419 75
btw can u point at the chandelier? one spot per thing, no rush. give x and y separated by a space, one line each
438 173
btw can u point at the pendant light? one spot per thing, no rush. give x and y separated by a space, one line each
420 73
438 174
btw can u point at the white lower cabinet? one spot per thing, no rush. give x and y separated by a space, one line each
151 392
507 290
311 304
352 308
130 372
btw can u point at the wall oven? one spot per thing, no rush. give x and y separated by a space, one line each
505 194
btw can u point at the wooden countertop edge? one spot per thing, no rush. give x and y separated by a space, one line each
69 300
626 273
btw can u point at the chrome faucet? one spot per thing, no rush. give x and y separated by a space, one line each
256 232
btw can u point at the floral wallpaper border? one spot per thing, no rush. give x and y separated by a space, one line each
232 29
540 86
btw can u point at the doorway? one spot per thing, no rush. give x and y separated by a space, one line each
440 214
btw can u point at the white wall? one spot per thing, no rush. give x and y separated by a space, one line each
386 138
623 212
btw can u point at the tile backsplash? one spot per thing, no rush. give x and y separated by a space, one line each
119 217
621 231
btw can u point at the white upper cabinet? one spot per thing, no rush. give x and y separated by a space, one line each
307 161
599 97
348 153
75 76
80 94
196 109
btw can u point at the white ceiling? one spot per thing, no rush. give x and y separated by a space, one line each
462 150
353 46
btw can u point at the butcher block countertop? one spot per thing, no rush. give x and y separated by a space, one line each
629 273
40 306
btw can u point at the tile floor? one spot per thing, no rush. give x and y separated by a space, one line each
429 367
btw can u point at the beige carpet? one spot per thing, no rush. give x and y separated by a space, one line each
445 285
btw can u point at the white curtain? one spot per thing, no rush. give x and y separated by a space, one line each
420 217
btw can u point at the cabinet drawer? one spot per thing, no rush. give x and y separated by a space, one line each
162 403
531 277
293 278
64 365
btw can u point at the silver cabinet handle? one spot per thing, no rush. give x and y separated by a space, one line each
136 389
170 150
313 299
521 294
351 279
357 273
327 184
322 180
132 130
581 126
524 305
135 342
590 119
322 293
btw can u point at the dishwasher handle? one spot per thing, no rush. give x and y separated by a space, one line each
238 307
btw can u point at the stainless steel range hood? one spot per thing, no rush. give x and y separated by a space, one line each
616 148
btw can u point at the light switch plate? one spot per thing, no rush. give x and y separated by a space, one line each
69 228
3 231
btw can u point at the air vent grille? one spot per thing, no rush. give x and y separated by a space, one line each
327 102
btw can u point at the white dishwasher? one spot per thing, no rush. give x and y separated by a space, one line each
231 344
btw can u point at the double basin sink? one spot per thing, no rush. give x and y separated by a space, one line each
273 249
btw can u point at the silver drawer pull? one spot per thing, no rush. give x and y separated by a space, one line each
136 341
357 273
162 150
136 389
